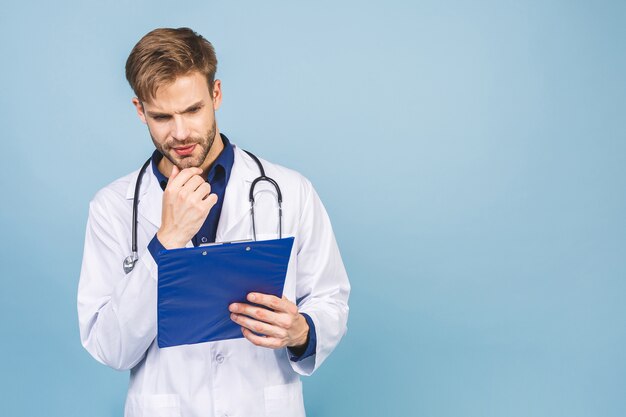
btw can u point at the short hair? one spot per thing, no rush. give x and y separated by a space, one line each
165 54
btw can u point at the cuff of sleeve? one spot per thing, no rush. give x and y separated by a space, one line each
304 352
155 247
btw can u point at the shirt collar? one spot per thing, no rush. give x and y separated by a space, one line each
220 168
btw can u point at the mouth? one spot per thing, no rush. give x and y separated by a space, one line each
185 150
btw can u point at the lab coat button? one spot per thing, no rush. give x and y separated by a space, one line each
219 358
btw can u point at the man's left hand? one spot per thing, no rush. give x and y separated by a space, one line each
280 324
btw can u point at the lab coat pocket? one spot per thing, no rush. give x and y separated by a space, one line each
284 400
154 405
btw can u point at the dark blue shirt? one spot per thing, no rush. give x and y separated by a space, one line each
218 176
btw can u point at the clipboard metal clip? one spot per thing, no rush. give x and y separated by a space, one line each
225 243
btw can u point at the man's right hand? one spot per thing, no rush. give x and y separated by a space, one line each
187 200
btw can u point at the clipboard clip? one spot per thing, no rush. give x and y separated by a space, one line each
225 243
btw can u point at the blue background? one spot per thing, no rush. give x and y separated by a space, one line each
471 154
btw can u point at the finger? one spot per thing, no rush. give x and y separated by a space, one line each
206 202
292 308
261 314
259 326
202 192
174 173
268 342
210 200
273 302
183 176
193 183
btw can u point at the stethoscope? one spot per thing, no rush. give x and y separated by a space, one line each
130 260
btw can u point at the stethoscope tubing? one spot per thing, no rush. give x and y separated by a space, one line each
130 260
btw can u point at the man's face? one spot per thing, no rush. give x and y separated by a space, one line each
181 120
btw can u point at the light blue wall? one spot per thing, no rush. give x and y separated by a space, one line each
471 154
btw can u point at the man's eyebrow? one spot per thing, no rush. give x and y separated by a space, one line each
157 114
192 107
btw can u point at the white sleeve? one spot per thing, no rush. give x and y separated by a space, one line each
322 287
116 311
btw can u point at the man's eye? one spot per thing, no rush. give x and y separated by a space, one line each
160 118
194 110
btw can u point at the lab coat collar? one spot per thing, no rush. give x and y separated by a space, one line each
150 196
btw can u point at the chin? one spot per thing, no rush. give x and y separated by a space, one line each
194 160
187 164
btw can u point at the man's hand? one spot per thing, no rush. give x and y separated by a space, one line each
187 200
281 323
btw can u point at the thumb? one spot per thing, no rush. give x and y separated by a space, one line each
174 173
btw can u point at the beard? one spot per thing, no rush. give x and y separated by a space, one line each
204 142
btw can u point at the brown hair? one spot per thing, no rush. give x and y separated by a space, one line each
165 54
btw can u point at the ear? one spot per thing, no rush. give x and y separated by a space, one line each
217 94
139 106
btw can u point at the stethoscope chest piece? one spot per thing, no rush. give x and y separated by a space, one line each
129 262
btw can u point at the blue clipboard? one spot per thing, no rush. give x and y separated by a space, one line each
196 286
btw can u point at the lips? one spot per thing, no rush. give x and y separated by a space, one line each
184 150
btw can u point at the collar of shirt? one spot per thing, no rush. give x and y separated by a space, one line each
220 169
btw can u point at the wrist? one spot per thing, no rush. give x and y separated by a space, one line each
303 338
168 241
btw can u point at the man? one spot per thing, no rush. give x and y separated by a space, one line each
194 191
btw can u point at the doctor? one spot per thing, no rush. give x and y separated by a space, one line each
195 190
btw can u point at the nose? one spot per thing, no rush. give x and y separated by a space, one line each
180 131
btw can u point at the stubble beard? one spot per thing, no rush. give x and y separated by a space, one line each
183 162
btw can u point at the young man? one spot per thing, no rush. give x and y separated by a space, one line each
195 190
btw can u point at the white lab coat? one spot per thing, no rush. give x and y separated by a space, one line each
117 312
